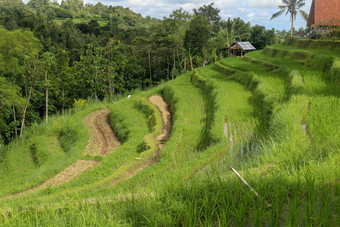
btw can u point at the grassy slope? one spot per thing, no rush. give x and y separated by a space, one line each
295 168
43 151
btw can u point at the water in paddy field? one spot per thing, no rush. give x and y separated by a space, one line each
241 137
242 141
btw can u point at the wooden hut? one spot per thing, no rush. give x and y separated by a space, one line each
241 48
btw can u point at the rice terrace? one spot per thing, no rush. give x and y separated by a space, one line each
232 138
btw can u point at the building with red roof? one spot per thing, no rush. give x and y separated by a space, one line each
324 13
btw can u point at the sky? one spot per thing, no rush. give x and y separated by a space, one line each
255 11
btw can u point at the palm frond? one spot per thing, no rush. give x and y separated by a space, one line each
275 15
298 6
300 3
304 14
287 2
282 7
244 35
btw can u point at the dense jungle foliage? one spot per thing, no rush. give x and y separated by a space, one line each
52 54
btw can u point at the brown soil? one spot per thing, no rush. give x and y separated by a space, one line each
102 139
101 142
69 173
164 109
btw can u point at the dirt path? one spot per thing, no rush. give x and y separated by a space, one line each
163 107
102 141
68 174
164 110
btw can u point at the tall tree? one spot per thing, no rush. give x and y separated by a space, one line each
292 7
18 61
181 20
64 77
211 13
146 44
39 4
197 35
73 5
14 14
9 99
260 37
231 31
48 61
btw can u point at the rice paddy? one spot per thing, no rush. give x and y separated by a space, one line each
272 115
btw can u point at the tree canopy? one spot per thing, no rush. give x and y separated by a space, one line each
52 53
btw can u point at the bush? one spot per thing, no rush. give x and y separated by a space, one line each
334 73
336 33
208 89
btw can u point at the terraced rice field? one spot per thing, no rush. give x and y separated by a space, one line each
163 156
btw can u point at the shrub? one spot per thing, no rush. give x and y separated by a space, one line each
334 73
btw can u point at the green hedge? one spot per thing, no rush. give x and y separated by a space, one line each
334 73
152 114
260 62
315 61
209 91
333 45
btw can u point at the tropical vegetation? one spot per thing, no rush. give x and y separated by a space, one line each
236 142
50 52
291 7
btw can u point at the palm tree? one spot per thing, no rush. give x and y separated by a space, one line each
292 7
227 35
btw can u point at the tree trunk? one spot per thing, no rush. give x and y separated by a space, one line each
292 27
112 86
0 141
168 70
23 121
15 119
191 64
149 57
46 115
95 84
185 63
178 58
24 114
110 77
63 95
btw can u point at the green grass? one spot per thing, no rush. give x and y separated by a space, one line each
316 59
280 115
43 151
309 44
334 74
270 84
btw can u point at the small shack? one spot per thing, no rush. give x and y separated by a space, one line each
241 48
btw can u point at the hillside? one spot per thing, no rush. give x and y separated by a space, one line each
54 52
166 159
